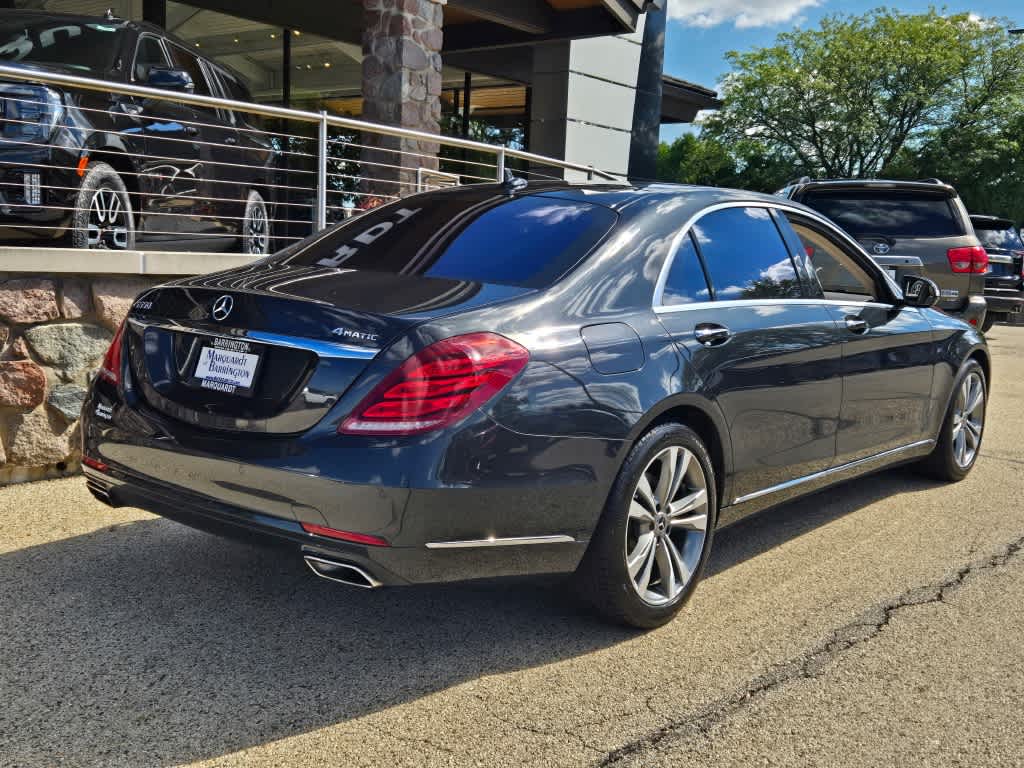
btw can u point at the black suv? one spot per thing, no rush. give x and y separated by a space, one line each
908 227
1004 285
104 170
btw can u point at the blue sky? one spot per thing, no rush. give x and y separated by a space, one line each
701 31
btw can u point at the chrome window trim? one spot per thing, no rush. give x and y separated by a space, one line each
669 308
135 53
831 471
513 541
659 288
322 349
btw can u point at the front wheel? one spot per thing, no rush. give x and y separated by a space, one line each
959 440
654 536
256 226
103 211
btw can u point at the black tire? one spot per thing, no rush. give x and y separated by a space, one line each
944 462
103 216
256 235
603 577
991 318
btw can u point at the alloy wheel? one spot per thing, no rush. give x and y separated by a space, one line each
257 229
108 220
667 525
968 419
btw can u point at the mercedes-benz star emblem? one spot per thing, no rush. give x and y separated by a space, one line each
881 248
222 307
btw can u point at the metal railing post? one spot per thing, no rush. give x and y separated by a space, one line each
321 174
501 164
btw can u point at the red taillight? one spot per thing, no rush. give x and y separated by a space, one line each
438 386
972 260
356 538
111 367
96 464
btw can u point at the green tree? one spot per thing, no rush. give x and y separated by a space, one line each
846 99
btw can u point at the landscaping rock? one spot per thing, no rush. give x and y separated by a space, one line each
114 298
5 334
17 351
76 300
38 437
22 384
72 346
67 400
28 300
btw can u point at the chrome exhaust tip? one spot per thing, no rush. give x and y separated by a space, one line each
343 573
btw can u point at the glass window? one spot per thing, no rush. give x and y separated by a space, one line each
890 213
465 234
745 255
190 63
149 54
837 271
686 282
90 48
1007 238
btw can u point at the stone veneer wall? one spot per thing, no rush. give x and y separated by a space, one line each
54 331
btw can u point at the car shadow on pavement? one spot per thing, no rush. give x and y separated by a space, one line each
152 644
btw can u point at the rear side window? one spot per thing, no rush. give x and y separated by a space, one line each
1000 238
686 282
890 213
464 235
190 63
745 255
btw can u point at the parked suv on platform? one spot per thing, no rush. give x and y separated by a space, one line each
1004 285
109 170
908 227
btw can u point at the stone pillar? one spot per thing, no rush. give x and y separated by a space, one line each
401 86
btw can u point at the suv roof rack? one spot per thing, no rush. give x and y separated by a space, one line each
801 180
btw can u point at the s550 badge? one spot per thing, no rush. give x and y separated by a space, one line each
347 333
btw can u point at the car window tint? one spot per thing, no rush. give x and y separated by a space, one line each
190 63
149 54
686 282
1000 238
890 213
89 48
836 270
235 90
745 255
465 235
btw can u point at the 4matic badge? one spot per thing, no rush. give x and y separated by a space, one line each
347 333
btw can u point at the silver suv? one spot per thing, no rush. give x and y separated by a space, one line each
908 227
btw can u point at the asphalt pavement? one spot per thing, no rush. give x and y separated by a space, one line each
878 623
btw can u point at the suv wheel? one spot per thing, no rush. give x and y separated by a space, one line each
256 226
654 536
103 216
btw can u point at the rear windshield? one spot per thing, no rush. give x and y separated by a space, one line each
89 47
525 241
888 212
1000 238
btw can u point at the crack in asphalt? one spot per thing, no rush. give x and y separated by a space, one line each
813 663
541 731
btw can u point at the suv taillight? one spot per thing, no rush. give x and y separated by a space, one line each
111 366
438 386
972 260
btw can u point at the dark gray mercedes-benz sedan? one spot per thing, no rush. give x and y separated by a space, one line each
501 380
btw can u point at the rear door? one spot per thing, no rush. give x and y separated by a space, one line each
923 222
888 352
769 356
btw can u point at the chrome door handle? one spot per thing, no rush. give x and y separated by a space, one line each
857 324
711 334
230 140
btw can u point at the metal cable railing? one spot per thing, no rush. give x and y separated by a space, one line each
103 162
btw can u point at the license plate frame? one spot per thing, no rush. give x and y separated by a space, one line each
233 363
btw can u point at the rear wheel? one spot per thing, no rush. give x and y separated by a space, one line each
103 216
960 438
654 536
990 320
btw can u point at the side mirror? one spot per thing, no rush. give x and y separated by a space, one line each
170 79
920 291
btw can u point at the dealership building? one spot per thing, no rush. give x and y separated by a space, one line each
579 80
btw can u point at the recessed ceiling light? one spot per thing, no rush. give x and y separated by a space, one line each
273 36
327 64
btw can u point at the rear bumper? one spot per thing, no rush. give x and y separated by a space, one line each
973 312
1004 301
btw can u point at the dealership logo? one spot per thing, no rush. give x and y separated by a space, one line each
881 248
222 307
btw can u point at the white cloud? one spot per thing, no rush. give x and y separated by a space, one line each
742 13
